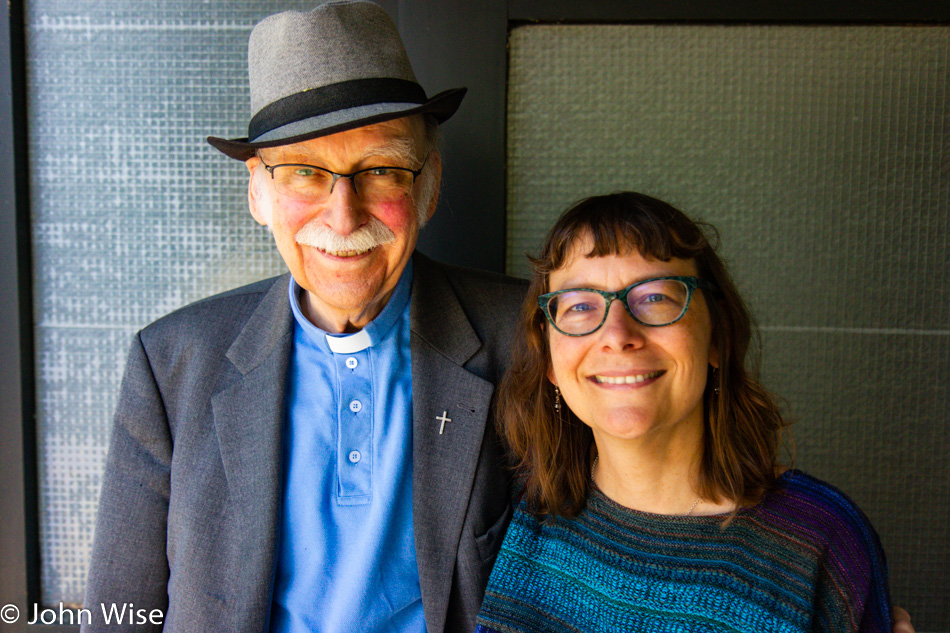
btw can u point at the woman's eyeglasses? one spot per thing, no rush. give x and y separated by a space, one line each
652 302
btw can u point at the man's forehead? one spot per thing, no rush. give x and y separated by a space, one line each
388 137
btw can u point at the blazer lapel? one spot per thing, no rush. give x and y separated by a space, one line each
450 408
248 416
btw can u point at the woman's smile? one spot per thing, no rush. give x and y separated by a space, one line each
636 378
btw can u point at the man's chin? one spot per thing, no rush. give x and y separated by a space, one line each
351 298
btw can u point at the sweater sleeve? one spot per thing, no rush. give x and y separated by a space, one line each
853 592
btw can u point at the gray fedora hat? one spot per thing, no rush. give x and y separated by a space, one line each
335 68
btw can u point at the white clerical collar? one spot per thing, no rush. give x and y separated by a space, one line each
349 344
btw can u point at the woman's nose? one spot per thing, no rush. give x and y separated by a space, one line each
620 330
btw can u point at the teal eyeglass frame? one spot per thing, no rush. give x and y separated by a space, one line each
691 283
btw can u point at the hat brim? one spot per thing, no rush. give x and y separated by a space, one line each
441 106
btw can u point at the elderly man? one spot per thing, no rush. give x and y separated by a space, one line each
315 452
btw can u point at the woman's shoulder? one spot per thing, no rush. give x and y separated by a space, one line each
818 515
821 513
798 490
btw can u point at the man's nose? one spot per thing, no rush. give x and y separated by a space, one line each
344 212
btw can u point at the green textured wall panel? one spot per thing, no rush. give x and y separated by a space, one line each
821 153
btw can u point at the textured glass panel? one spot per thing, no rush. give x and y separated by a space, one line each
133 215
821 153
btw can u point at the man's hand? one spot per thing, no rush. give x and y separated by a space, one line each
901 621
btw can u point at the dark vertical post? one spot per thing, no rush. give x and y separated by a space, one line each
18 552
454 43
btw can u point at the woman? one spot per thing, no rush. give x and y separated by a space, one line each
653 499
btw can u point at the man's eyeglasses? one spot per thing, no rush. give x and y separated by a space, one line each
652 302
315 184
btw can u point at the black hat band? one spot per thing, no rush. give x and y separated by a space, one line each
333 98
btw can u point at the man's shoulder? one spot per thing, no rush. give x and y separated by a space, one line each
490 300
218 313
470 282
487 302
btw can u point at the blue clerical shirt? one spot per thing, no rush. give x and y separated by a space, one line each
346 553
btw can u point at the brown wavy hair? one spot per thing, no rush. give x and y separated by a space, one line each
742 423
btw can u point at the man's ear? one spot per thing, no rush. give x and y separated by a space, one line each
256 197
435 159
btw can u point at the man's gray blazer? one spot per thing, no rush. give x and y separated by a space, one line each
190 503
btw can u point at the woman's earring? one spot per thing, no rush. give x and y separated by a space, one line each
557 399
716 380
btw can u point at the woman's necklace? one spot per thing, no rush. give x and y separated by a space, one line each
688 512
693 507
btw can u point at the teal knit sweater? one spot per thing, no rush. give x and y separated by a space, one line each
804 559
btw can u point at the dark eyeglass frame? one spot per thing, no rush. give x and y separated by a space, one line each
691 283
336 176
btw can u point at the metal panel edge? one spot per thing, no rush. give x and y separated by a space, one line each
849 11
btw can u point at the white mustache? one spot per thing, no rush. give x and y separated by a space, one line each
318 235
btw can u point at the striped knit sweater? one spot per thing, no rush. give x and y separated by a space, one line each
804 559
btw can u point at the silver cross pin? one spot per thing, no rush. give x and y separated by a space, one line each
444 419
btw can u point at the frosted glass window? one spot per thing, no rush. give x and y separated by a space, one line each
133 215
821 153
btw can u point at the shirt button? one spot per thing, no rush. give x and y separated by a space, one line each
352 362
355 457
356 406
